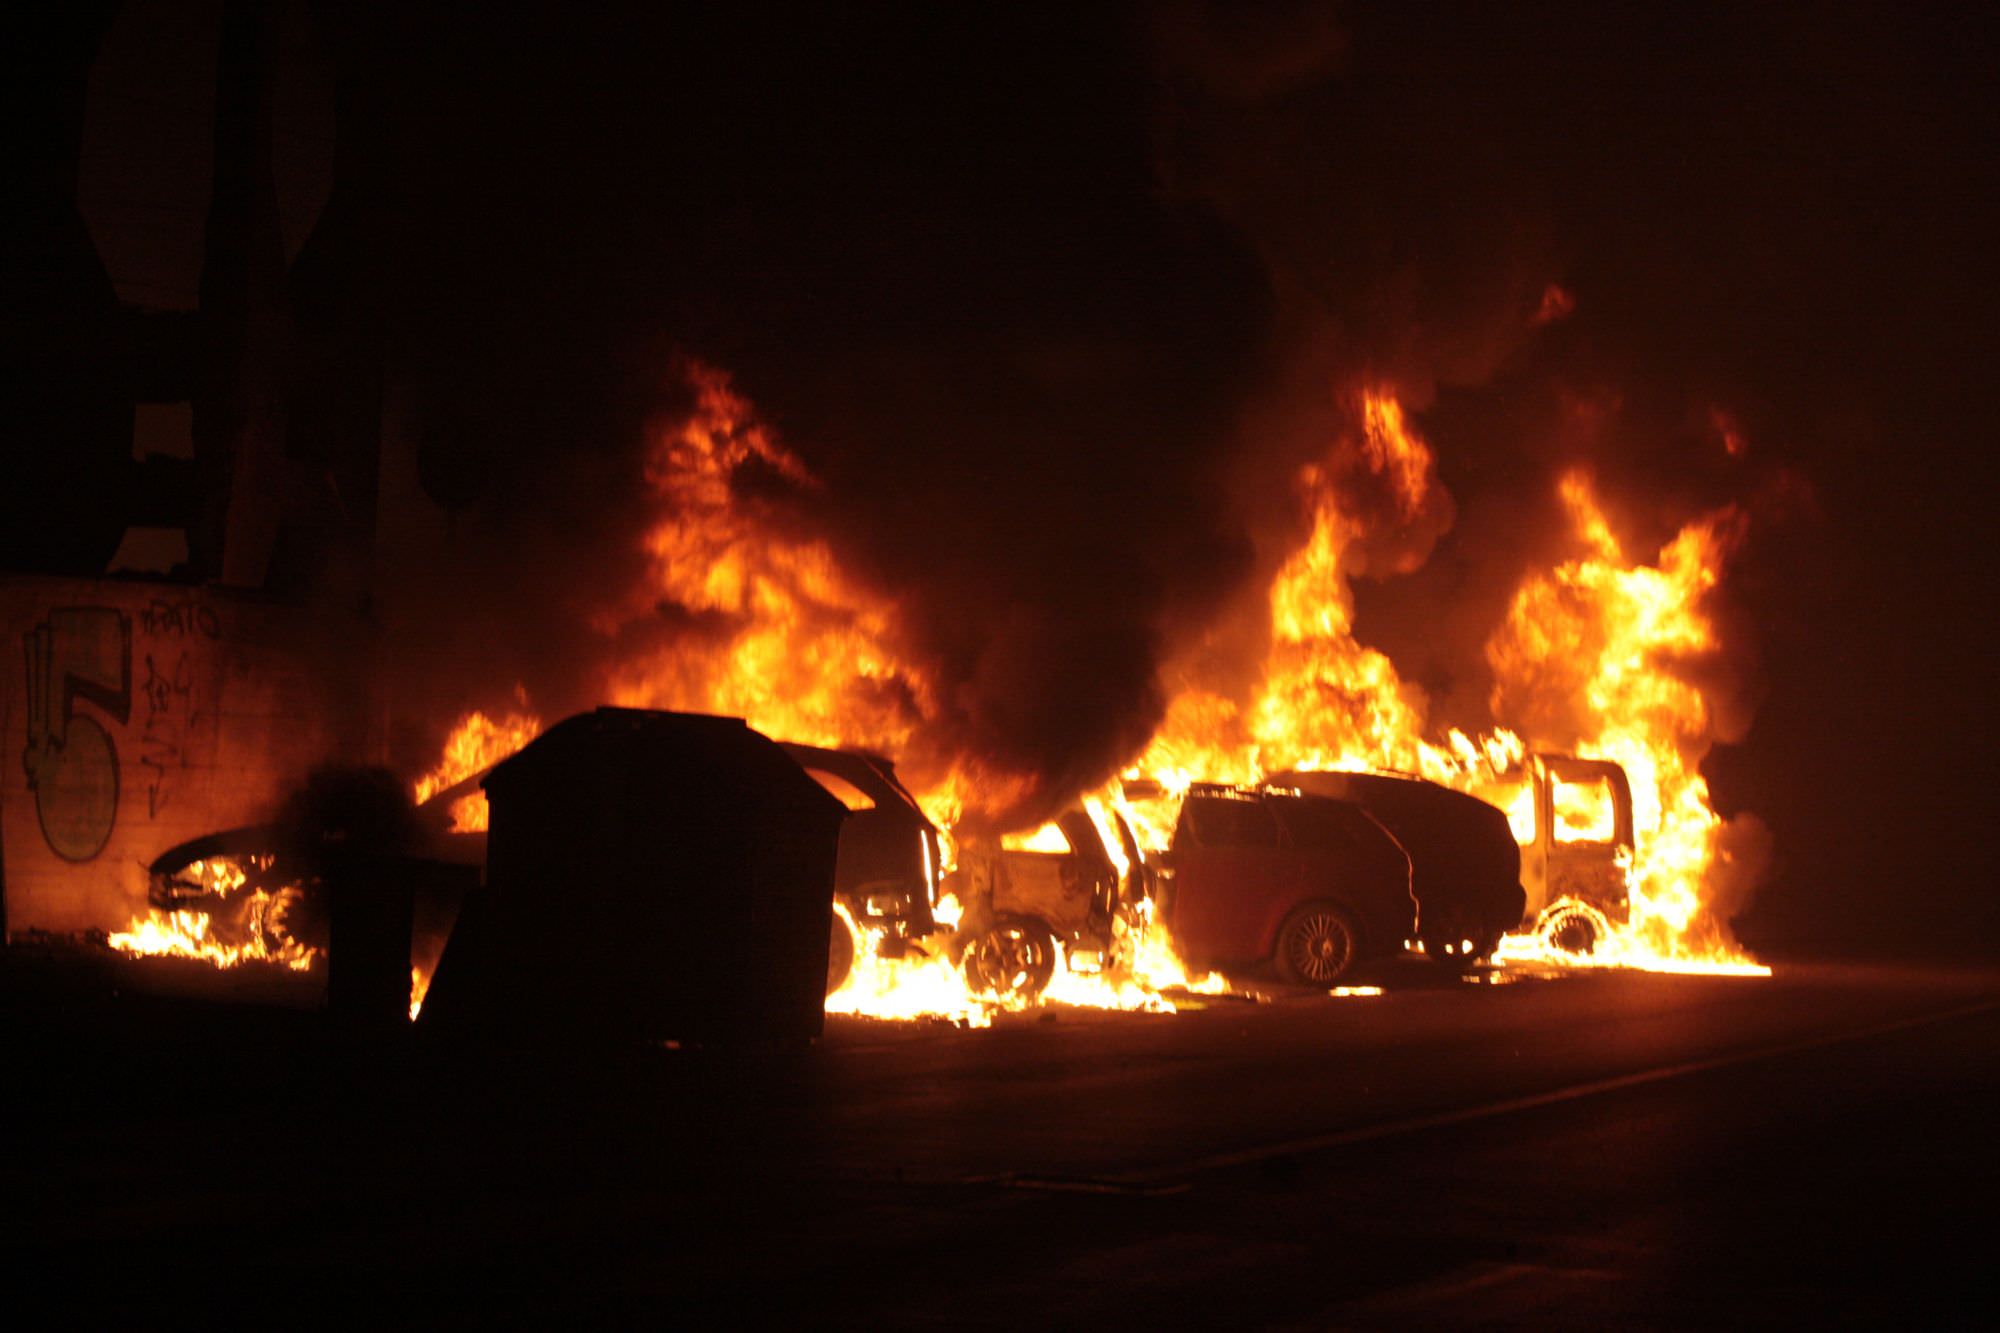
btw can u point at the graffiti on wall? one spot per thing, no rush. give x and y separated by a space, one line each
83 674
80 655
166 690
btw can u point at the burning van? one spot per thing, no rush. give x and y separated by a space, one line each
1465 865
1308 884
1574 823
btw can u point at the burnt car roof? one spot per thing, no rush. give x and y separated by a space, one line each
871 773
250 840
1360 786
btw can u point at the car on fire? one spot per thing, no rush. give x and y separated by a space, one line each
262 888
1464 863
254 890
1069 892
1308 884
1577 850
888 867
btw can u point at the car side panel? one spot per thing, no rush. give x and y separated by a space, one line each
1228 901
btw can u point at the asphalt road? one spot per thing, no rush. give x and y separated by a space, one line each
1594 1150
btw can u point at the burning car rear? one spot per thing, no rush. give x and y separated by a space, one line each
1067 890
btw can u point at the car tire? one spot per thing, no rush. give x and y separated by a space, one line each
1013 958
1317 945
839 953
1572 927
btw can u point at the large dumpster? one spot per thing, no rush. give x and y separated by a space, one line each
650 876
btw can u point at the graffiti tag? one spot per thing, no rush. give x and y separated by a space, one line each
180 620
168 698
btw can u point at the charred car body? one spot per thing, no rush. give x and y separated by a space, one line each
1311 884
255 892
1020 905
1576 855
1465 865
347 845
886 878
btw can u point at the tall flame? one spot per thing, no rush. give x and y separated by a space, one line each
1325 700
1591 658
1609 641
770 627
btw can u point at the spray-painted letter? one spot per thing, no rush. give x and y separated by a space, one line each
77 654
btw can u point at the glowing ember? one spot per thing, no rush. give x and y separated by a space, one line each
1556 304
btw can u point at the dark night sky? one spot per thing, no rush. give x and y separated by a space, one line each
989 264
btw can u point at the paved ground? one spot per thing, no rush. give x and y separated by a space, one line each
1590 1151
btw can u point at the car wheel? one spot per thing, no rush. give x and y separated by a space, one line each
839 953
1572 927
1013 959
1317 945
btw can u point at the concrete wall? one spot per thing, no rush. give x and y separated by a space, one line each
134 716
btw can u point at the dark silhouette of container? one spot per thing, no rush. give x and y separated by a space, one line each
370 907
650 876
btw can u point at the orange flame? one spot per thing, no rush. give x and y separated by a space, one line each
1599 642
777 633
476 743
254 933
1609 642
771 628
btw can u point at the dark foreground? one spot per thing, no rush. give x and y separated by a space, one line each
1591 1151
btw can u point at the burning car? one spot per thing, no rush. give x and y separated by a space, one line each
1577 849
887 875
252 895
1309 884
1464 863
1067 889
259 893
